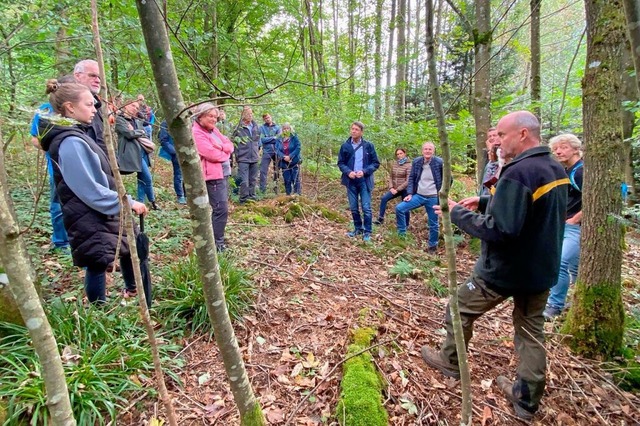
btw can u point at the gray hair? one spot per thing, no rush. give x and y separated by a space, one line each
359 124
287 124
80 65
568 138
202 108
528 121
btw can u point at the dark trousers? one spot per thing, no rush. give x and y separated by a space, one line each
474 299
219 201
247 172
95 280
268 157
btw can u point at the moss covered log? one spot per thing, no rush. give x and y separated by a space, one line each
360 391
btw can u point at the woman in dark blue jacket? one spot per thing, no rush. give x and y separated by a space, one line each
288 152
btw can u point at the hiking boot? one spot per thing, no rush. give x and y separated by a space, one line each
379 221
550 312
366 238
182 200
506 386
434 360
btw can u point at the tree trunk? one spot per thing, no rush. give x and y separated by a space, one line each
416 47
125 214
62 45
173 106
482 82
401 60
465 377
13 256
377 64
535 57
632 12
352 47
387 90
629 94
596 318
336 45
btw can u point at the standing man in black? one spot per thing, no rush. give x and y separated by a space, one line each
521 227
87 73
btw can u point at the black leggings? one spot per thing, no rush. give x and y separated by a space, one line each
95 280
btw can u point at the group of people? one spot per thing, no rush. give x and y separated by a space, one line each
527 215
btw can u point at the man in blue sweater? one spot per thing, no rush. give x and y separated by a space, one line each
425 181
269 134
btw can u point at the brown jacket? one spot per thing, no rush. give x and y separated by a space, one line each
399 177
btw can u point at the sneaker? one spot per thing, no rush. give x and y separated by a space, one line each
550 312
434 359
353 234
221 248
402 235
379 221
154 206
182 200
366 238
129 294
506 386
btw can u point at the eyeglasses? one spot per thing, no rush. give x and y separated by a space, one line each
93 75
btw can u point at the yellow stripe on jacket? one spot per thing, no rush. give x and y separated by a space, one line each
548 187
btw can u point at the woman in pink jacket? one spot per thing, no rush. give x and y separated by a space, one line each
214 149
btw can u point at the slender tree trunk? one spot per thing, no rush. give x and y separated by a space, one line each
129 224
62 46
392 27
377 66
214 57
336 46
13 256
482 81
416 46
630 94
535 57
401 60
352 47
465 377
596 318
632 13
173 105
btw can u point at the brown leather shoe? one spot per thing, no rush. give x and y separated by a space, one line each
506 386
434 359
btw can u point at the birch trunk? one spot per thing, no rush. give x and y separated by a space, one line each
173 105
13 257
465 378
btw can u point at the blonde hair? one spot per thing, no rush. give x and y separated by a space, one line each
61 93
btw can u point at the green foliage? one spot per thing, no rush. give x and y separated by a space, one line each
404 269
107 360
360 397
182 297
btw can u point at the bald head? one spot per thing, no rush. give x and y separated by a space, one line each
518 132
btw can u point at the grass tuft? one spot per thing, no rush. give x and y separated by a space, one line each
182 298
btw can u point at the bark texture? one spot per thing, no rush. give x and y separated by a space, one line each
13 257
596 318
535 57
632 12
173 105
465 378
482 38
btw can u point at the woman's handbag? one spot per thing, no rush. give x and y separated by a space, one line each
147 145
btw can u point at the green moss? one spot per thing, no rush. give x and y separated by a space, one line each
596 321
251 217
254 417
360 397
9 312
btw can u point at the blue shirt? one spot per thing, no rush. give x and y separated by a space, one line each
45 108
359 153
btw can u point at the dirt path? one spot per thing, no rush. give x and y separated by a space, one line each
316 284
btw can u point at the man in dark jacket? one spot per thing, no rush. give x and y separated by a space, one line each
246 137
425 181
521 227
357 160
87 73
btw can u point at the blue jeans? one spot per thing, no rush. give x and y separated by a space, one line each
291 180
59 237
415 202
358 188
145 184
568 266
389 196
177 177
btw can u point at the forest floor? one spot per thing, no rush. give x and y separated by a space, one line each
315 285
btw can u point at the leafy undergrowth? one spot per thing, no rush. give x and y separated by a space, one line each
106 356
313 285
